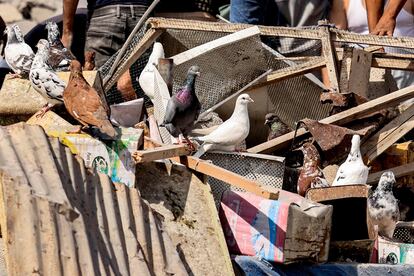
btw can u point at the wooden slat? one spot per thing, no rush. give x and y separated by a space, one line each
400 171
329 52
291 72
393 63
388 135
159 153
227 176
344 117
215 44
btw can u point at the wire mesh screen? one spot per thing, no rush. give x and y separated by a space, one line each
265 169
404 233
224 70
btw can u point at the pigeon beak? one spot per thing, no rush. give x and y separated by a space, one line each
198 73
266 122
251 100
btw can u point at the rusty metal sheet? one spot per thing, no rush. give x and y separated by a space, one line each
341 101
58 218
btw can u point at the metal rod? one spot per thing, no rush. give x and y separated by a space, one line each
122 51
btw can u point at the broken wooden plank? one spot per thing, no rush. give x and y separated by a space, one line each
159 153
344 117
229 177
291 72
215 44
400 171
388 135
359 72
144 44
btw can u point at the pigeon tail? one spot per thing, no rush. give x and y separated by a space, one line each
107 129
175 132
200 151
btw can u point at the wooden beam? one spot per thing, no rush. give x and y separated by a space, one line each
342 118
393 63
159 153
388 135
359 72
215 44
227 176
400 171
144 44
329 53
290 72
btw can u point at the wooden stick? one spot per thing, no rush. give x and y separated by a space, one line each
388 135
226 176
159 153
342 118
400 171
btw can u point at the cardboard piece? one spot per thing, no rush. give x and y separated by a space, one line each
114 159
287 230
127 114
394 252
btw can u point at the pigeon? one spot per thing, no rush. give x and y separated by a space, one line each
59 56
146 79
310 176
276 126
383 206
89 61
230 133
353 170
85 104
19 56
183 108
44 80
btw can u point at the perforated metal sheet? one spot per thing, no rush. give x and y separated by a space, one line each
404 233
265 169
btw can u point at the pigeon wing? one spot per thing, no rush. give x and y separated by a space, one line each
47 83
230 132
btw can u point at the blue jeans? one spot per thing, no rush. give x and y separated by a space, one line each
290 13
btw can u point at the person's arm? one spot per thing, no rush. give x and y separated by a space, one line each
69 11
337 14
383 23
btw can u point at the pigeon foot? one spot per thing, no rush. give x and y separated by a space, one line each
14 76
43 111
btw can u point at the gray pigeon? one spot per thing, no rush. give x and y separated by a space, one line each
230 133
18 55
44 80
276 126
183 108
383 206
59 56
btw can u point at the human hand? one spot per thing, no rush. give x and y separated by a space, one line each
385 26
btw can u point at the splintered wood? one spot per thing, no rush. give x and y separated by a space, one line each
158 153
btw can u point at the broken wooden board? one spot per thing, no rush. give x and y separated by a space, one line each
227 176
163 152
389 100
355 71
400 171
388 135
329 53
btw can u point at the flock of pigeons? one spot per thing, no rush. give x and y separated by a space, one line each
89 107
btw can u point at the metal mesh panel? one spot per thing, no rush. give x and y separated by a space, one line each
404 233
265 169
224 70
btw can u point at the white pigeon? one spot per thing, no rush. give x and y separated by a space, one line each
230 133
383 206
353 170
18 55
43 79
146 79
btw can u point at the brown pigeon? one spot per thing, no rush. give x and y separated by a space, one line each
85 104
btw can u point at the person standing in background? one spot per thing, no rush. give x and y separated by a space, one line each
383 21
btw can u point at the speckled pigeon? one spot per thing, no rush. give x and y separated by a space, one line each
276 126
183 108
59 56
18 55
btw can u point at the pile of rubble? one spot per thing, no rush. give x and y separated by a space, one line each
299 178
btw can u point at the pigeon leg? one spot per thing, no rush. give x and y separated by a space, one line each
14 76
190 144
44 109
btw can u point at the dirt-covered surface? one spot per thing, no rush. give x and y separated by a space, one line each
186 207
